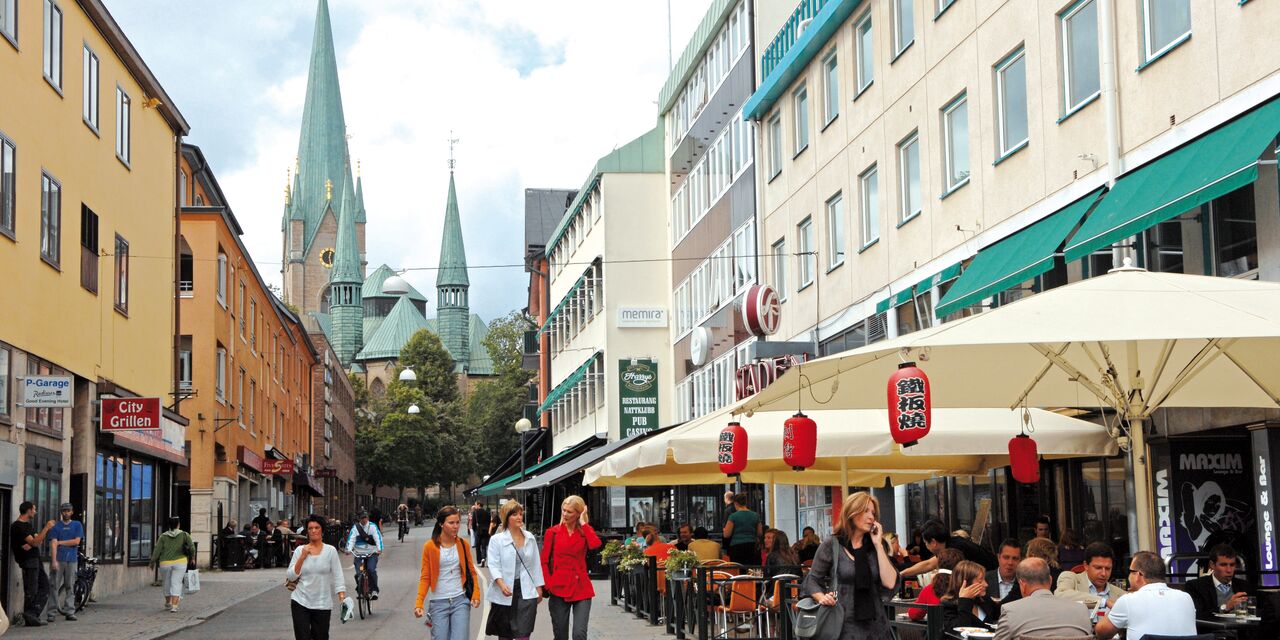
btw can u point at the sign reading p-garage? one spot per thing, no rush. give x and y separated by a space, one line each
130 414
46 392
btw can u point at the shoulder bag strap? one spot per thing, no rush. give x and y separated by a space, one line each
835 565
551 553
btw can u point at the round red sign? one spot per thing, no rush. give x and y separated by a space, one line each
761 310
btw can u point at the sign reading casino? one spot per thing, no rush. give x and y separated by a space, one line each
638 396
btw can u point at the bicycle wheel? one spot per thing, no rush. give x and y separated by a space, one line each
362 594
81 593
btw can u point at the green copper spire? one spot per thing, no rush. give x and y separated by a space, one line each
359 197
322 146
346 306
453 310
453 255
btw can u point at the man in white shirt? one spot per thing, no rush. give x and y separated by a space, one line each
1153 607
1093 587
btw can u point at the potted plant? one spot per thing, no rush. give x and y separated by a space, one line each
632 559
612 552
680 565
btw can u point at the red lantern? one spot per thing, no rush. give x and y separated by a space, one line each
909 404
1023 459
799 441
732 454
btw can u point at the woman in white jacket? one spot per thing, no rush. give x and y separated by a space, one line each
516 568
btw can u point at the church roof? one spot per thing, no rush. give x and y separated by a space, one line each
373 285
346 255
394 331
359 198
453 254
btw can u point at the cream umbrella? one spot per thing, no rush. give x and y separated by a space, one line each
1130 341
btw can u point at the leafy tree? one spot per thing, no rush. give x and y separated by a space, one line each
497 403
505 341
432 364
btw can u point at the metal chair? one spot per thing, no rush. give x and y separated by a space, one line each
740 597
773 604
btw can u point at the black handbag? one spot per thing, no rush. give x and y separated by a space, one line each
813 621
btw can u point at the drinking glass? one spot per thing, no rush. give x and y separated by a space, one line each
1251 606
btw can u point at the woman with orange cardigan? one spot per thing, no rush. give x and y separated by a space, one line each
449 573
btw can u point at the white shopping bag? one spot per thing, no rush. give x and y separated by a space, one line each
348 609
191 580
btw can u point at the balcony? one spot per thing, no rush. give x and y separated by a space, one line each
787 35
713 116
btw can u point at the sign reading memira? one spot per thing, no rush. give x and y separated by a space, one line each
46 391
637 396
130 414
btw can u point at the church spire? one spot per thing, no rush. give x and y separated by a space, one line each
345 304
452 284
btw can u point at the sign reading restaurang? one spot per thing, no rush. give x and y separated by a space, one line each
46 392
638 395
130 414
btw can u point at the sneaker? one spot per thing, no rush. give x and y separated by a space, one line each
71 617
373 595
173 609
48 618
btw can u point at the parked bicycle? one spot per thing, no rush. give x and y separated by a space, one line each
86 574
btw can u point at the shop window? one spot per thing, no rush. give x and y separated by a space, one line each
142 511
1234 234
43 482
108 501
813 507
44 420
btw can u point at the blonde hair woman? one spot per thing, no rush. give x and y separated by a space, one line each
564 563
1046 550
516 590
854 568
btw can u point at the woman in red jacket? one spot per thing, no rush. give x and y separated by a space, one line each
564 564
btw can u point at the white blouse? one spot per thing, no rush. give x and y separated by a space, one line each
320 579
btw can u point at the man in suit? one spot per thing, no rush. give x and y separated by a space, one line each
1092 587
1221 590
1002 582
1038 612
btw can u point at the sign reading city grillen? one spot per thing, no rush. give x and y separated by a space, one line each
638 395
130 414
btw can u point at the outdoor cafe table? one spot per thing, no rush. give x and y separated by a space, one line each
1244 628
932 625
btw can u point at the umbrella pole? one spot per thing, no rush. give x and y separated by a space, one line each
1142 508
844 476
772 497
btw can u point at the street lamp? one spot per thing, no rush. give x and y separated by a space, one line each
413 409
395 286
522 427
408 375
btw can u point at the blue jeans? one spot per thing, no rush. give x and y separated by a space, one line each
371 565
450 618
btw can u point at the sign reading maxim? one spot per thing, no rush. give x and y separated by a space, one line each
638 396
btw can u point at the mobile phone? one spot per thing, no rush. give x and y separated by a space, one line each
427 615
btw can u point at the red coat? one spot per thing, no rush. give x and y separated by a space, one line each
564 562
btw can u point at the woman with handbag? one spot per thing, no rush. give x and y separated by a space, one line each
449 574
516 569
173 550
564 563
855 564
313 577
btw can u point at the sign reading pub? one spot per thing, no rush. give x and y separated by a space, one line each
638 396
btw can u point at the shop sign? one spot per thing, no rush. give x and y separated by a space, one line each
1203 497
761 310
277 467
130 414
250 459
642 317
752 378
1265 442
325 473
638 396
47 392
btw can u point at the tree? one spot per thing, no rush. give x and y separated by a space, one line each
497 403
432 364
505 341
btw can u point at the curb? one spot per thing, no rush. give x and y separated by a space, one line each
201 619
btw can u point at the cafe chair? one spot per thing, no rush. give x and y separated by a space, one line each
773 604
740 595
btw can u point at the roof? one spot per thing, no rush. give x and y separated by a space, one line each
395 330
373 285
119 43
702 38
346 256
543 209
481 364
453 252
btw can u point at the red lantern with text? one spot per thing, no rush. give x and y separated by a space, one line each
732 452
909 404
1023 459
799 441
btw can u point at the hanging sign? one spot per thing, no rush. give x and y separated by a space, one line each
40 392
909 404
731 451
750 379
272 466
761 310
130 414
638 396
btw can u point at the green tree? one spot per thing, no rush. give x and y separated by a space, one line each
497 403
433 365
505 341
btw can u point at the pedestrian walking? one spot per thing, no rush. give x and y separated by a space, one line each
853 568
24 543
64 554
564 564
449 575
478 520
173 550
516 568
315 574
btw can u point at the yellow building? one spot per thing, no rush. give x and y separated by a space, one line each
88 152
245 366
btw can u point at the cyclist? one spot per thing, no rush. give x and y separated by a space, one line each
365 542
402 519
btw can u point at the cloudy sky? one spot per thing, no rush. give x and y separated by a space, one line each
536 90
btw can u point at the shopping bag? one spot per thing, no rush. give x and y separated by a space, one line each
4 621
348 609
192 580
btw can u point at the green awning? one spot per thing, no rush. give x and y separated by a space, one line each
1017 258
568 383
560 307
883 305
1210 166
495 487
946 275
902 297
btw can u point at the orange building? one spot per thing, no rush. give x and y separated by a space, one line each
245 367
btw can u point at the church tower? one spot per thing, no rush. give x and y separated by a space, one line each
322 182
346 308
453 318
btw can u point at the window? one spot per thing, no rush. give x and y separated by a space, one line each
123 107
43 482
804 238
1011 102
253 401
869 206
240 398
88 249
1235 234
220 375
1165 23
182 188
50 219
240 305
780 267
835 231
775 145
864 44
89 103
1080 70
47 421
909 177
801 101
253 324
108 502
904 25
9 19
184 363
222 277
142 510
53 43
122 275
955 131
4 382
943 5
830 88
8 156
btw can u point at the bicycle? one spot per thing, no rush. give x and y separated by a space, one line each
363 601
86 574
404 529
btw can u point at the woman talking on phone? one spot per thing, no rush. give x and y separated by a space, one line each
858 560
564 564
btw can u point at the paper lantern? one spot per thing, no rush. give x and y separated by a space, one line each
1023 459
799 441
909 404
732 454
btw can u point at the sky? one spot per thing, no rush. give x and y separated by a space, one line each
534 90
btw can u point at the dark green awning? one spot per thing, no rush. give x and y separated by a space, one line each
1017 258
1210 166
946 275
551 317
568 383
495 487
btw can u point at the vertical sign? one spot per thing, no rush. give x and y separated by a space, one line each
1266 442
638 396
1210 485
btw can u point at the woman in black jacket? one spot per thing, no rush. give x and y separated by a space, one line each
966 603
863 570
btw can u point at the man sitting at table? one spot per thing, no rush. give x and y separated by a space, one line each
1152 608
1093 585
1221 590
1002 582
684 535
1038 612
704 546
936 538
